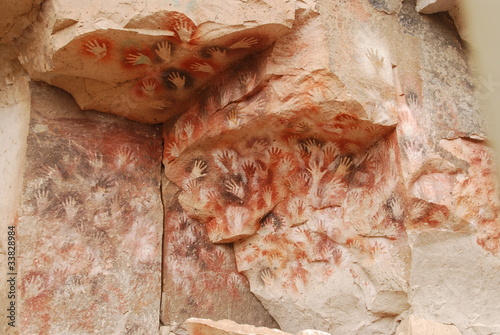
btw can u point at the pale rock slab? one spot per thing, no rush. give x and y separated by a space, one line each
15 104
196 326
454 281
453 7
435 6
414 325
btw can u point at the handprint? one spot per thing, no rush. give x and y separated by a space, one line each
199 169
267 277
177 79
164 51
244 43
95 48
148 87
235 188
248 80
184 31
202 67
70 207
96 160
216 52
160 104
42 199
315 170
125 156
267 195
173 150
188 128
375 59
138 59
233 118
344 166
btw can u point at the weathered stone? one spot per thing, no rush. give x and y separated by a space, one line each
14 124
90 224
196 326
453 7
200 279
338 144
15 17
146 63
298 163
417 326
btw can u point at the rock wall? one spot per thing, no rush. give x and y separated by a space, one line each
346 163
328 156
90 224
14 121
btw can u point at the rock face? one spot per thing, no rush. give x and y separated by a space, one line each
329 156
90 223
200 279
338 162
145 62
418 326
14 124
196 326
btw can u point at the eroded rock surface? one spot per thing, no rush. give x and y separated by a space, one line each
90 223
337 144
330 157
146 63
200 279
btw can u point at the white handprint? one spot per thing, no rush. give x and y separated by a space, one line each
173 150
138 59
98 50
199 169
148 87
188 128
70 207
177 79
267 277
164 51
235 188
202 67
42 199
244 43
184 31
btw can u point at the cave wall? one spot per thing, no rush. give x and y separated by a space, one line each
325 166
90 222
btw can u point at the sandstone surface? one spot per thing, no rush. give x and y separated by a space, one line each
417 326
90 222
328 156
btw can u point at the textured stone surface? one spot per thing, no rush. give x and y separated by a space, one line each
453 7
417 326
146 63
90 225
15 17
197 326
296 157
14 121
337 144
200 279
